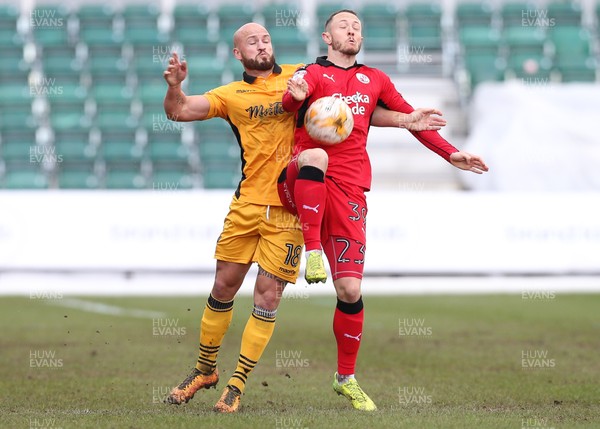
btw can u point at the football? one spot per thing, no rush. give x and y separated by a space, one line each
329 120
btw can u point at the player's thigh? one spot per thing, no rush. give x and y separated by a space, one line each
240 236
280 246
344 229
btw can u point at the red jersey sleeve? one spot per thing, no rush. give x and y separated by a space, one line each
288 102
432 140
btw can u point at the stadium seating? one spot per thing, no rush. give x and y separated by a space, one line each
380 27
231 17
473 15
564 14
423 21
89 83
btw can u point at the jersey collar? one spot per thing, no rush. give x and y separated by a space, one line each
323 61
251 79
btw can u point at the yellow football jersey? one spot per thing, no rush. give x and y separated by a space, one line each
264 131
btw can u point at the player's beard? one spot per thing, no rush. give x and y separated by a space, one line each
256 64
337 46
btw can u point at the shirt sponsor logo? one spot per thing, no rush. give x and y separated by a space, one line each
261 111
354 102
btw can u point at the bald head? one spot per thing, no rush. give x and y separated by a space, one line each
252 46
248 30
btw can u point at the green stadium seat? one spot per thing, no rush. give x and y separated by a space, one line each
61 64
424 25
380 27
25 137
529 66
520 40
106 65
75 152
111 93
479 40
289 41
191 15
20 152
124 179
485 67
204 74
141 15
473 14
219 151
109 119
513 13
194 37
77 179
70 99
324 11
101 38
20 179
171 179
64 120
155 121
145 36
149 66
231 17
221 177
564 14
50 25
120 147
18 116
152 93
214 130
571 42
577 70
155 134
165 152
9 15
283 15
10 38
96 15
12 61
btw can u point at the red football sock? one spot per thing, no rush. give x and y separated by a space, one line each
347 327
310 195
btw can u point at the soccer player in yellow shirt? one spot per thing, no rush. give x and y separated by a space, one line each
257 227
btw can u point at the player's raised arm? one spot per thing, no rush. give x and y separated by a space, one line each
178 106
421 119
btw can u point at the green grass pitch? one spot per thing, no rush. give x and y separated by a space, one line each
489 361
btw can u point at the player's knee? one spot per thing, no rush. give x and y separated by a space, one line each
315 157
348 289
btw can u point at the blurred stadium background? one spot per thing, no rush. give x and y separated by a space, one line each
81 93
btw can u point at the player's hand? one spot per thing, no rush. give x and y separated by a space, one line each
298 88
424 119
468 162
176 72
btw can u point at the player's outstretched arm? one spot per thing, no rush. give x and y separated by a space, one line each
178 106
421 119
468 162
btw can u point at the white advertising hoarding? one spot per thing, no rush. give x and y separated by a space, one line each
408 233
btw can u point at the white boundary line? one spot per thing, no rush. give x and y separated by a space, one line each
101 308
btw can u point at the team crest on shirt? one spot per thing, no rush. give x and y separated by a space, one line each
299 74
363 78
